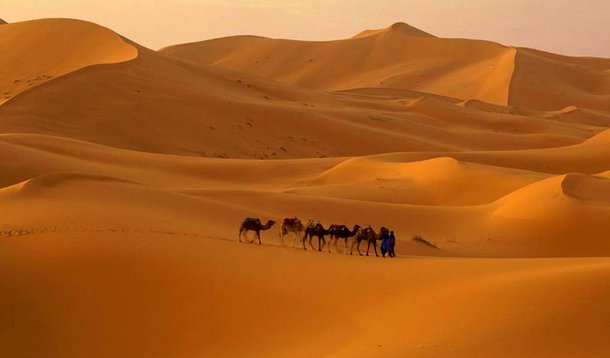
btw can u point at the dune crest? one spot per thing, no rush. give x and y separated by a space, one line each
400 28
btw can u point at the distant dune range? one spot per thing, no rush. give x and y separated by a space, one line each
407 58
125 173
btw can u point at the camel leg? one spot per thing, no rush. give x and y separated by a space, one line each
375 247
330 241
304 237
258 235
282 236
294 238
358 247
368 246
310 242
246 237
319 243
240 232
336 244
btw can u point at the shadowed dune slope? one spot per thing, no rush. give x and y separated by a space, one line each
28 59
550 82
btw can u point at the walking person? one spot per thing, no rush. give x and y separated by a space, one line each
391 244
385 240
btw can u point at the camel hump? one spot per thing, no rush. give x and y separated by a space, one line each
252 220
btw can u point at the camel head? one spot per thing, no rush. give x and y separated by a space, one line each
268 225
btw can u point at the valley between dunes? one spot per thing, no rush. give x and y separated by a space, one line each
126 172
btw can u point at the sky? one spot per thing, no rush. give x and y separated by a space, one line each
579 28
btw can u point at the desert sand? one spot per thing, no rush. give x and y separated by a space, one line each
126 173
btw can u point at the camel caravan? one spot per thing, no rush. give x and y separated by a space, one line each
336 233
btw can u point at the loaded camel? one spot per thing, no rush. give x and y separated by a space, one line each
368 234
254 224
341 232
291 225
315 229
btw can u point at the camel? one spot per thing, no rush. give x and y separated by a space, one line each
254 224
315 229
341 232
368 234
291 225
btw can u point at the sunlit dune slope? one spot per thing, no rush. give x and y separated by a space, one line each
35 52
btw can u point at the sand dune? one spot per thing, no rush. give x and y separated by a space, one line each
407 58
397 57
159 104
456 205
438 181
29 59
125 173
